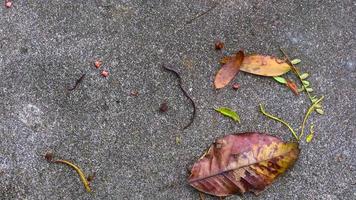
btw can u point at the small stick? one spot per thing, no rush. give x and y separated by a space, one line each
185 94
202 14
77 83
279 120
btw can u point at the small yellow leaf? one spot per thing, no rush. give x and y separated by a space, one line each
306 83
317 106
310 135
320 111
310 89
178 140
295 61
304 76
264 65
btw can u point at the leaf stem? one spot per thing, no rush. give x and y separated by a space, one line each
296 72
79 171
279 120
307 114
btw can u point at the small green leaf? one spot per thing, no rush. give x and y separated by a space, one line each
314 99
320 111
317 106
304 76
280 79
311 134
295 61
178 140
306 83
301 89
229 113
309 89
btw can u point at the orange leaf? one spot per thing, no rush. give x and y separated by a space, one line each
229 70
239 163
264 65
292 86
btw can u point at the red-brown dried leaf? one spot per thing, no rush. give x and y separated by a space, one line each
229 70
240 163
292 86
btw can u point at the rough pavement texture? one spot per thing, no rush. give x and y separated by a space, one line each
46 45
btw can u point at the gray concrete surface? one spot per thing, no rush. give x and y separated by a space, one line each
46 45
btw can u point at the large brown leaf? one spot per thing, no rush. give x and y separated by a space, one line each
229 70
240 163
264 65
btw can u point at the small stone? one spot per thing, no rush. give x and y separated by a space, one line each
219 45
164 107
134 93
49 156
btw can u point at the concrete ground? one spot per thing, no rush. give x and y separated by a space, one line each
46 45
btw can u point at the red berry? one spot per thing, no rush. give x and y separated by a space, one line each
105 73
8 4
236 86
97 63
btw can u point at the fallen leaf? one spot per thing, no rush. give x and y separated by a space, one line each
310 89
264 65
292 86
224 60
306 83
295 61
280 79
301 89
240 163
320 111
304 76
178 140
79 171
229 113
310 135
229 70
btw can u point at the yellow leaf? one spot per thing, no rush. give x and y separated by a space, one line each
264 65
